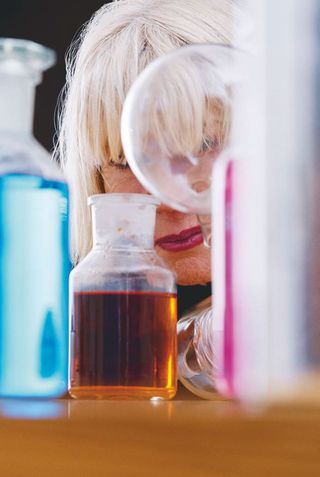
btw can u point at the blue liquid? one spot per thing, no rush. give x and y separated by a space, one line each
34 269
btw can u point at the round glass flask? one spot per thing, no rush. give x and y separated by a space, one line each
176 123
123 307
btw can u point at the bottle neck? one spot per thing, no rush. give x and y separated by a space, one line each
127 228
17 95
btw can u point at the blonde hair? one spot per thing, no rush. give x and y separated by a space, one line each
120 40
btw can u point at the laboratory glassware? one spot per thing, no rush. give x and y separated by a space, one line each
266 253
123 307
198 355
34 254
175 124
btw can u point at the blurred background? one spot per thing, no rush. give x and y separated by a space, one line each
52 24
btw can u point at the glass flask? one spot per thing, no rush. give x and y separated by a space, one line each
123 307
175 125
197 350
176 121
34 259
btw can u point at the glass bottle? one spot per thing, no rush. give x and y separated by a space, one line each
34 260
123 307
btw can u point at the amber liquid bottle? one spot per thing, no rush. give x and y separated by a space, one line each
123 307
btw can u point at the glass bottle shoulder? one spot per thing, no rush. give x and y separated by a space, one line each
110 269
23 154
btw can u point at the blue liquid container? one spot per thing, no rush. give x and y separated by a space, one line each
34 252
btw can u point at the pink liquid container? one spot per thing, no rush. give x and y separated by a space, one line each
265 220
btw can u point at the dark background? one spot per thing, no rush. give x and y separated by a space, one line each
53 24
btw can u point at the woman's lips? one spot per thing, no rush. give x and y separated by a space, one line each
185 240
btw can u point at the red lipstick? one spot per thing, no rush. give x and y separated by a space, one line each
185 240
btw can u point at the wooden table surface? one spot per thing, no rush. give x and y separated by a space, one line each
172 439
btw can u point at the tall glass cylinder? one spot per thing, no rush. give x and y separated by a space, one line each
268 184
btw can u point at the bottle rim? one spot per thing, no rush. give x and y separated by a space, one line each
125 198
26 52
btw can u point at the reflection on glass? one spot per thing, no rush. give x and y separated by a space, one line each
32 409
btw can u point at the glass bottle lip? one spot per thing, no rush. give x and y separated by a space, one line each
125 198
26 54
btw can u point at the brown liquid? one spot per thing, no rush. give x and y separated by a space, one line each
123 345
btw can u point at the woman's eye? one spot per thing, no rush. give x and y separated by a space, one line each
119 166
179 164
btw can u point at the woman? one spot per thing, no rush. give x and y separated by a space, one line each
114 47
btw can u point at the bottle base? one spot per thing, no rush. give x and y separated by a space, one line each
122 392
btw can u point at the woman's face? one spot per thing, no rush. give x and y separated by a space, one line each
177 236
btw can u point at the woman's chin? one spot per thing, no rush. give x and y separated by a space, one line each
192 278
191 268
185 283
